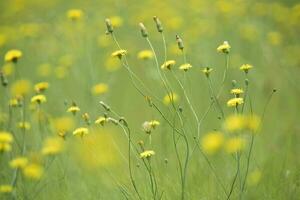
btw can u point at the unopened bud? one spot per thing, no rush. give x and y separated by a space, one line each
143 30
4 81
109 27
179 42
233 82
105 106
158 24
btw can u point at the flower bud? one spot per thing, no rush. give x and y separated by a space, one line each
158 24
179 42
109 26
143 30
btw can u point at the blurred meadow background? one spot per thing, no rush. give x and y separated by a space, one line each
58 62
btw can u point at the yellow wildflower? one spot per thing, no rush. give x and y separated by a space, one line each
207 71
145 55
154 123
73 109
112 64
33 171
74 14
6 188
52 146
39 99
99 89
116 21
13 55
236 91
185 67
14 102
168 64
235 102
212 142
234 145
18 162
147 154
224 48
81 131
8 69
44 70
62 125
101 120
119 53
5 141
40 87
254 177
169 98
253 123
246 67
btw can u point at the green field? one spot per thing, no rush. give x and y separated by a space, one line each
111 99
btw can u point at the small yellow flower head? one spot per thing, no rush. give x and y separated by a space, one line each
63 125
185 67
18 163
235 102
33 171
39 99
147 154
6 188
13 55
212 142
145 55
119 53
207 71
6 137
234 145
99 89
24 125
8 69
52 146
81 131
73 109
170 98
74 14
154 123
101 121
14 102
40 87
224 48
44 70
234 123
246 67
237 92
168 64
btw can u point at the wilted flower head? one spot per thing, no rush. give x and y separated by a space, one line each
224 48
13 55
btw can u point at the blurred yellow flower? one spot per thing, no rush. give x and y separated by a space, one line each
274 38
237 91
235 102
73 109
224 48
145 55
253 123
18 162
24 125
74 14
147 154
116 21
41 86
103 41
185 67
254 177
3 39
8 69
81 131
52 146
33 171
112 64
62 125
5 141
170 98
212 142
39 99
6 188
20 88
44 70
13 55
234 145
119 53
60 72
234 123
99 89
168 64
